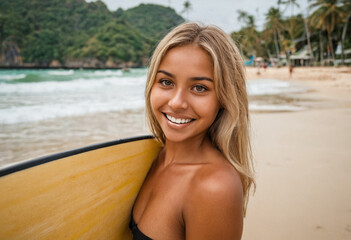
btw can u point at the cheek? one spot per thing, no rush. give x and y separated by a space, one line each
209 108
155 99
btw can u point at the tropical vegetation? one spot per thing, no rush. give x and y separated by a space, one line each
320 35
74 33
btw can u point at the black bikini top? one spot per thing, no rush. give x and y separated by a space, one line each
137 234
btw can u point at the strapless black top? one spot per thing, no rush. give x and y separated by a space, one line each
137 234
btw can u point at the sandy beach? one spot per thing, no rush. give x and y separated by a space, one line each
303 161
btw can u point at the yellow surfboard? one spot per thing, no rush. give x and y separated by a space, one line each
86 193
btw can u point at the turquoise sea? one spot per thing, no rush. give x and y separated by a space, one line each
46 111
35 95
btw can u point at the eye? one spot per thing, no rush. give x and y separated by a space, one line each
199 88
166 83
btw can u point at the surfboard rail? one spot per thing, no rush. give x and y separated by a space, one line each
56 156
85 193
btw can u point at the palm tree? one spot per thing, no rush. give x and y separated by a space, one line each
187 7
291 4
249 20
242 38
274 25
249 36
326 16
308 36
242 16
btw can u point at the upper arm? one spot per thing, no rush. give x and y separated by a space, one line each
214 209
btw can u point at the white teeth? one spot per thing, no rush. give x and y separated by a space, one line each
177 120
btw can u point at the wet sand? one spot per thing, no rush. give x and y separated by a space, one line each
303 161
26 141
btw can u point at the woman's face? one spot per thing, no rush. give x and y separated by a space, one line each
183 97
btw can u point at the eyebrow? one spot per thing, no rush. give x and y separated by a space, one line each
193 78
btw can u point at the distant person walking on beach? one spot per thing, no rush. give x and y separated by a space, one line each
291 69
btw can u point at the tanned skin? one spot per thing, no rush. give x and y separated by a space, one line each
191 192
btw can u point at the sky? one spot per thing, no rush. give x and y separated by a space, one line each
222 13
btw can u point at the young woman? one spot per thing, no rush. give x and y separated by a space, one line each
197 107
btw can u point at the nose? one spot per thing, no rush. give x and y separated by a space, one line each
178 99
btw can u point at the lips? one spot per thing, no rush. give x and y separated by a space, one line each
178 120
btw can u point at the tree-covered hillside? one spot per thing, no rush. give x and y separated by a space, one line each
149 24
74 33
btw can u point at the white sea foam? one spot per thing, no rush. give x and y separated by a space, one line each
12 77
272 87
70 86
274 107
52 110
61 72
89 93
108 73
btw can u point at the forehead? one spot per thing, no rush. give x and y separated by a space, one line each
188 59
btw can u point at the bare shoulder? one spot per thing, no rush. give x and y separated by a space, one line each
218 179
213 209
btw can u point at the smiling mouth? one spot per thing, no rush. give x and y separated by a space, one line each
178 120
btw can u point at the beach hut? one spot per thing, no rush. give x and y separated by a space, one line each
301 57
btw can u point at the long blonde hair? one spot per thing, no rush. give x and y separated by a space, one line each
230 132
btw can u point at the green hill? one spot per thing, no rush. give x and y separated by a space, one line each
74 33
153 24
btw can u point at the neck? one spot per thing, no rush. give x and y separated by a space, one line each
185 152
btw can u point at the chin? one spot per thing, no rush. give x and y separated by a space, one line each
179 137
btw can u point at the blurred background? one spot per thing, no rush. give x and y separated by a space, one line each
73 72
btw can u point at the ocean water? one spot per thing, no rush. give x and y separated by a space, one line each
35 95
46 111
